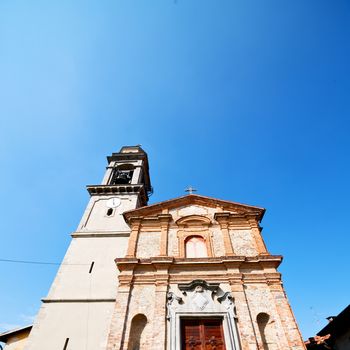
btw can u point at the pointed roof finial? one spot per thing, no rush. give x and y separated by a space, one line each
190 190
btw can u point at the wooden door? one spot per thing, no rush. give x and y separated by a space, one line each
202 334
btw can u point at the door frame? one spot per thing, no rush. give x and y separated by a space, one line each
228 325
201 322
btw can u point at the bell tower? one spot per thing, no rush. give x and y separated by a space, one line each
129 167
126 185
77 312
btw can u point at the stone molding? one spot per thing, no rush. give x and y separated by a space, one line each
164 270
183 234
154 221
201 299
241 261
100 234
193 220
120 190
185 287
95 300
195 199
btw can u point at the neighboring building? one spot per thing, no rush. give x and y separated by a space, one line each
335 336
188 273
15 339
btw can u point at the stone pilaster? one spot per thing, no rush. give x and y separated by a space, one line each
259 242
164 224
245 326
223 219
159 320
162 282
287 318
135 224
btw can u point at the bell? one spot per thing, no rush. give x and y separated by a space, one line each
122 177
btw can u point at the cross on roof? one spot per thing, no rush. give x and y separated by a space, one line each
190 189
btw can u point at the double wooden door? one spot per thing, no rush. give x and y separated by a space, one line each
202 334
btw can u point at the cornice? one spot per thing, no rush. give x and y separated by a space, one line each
126 189
100 234
139 155
78 300
195 199
112 189
150 220
169 277
227 217
188 263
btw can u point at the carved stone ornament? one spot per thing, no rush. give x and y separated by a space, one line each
171 297
201 299
199 283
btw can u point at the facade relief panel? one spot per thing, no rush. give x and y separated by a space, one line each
148 244
173 243
243 242
218 244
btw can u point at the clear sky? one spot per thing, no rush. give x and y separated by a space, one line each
246 100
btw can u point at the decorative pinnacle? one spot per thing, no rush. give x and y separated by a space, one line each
190 190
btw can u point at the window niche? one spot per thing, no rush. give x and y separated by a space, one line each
267 331
195 247
137 327
194 237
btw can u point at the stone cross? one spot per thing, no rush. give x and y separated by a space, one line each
190 190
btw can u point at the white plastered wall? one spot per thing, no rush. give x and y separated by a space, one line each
95 216
81 302
78 300
85 324
73 279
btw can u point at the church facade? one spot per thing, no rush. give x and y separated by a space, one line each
188 273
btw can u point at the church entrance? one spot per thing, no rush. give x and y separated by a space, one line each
202 334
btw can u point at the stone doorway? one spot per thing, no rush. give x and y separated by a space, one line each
202 334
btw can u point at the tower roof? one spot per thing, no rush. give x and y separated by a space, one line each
128 152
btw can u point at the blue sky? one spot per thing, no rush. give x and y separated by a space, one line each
245 100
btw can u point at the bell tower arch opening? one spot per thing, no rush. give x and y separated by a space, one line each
122 174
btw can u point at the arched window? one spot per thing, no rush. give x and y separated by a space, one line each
196 247
138 324
267 332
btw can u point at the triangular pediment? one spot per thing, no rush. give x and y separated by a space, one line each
194 200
